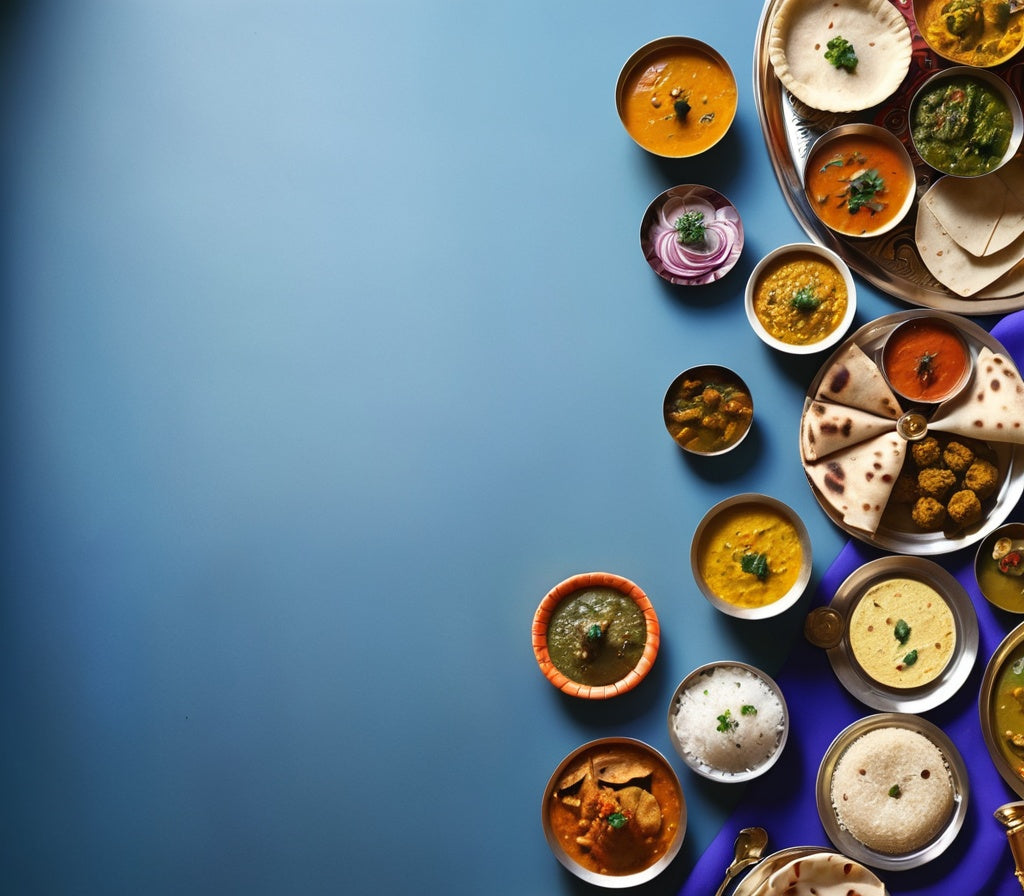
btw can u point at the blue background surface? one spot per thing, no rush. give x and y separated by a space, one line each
328 348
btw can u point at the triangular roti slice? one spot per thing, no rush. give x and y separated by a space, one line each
827 427
854 379
952 265
824 874
992 407
858 480
981 214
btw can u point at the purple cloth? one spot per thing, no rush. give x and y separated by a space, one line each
978 862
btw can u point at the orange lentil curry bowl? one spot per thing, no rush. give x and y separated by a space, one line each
596 635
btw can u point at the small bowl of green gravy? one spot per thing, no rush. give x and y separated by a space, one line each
596 635
966 121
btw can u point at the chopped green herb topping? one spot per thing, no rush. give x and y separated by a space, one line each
755 564
902 631
862 189
617 820
690 228
804 299
594 632
924 366
748 710
839 51
726 723
682 108
895 791
910 658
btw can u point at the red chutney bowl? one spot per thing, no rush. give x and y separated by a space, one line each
596 635
925 360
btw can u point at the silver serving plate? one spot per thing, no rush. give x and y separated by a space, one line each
890 536
958 669
850 845
1010 649
890 262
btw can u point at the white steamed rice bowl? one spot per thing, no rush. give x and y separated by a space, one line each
728 720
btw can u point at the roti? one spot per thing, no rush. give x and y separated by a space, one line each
854 380
824 874
857 481
827 427
992 407
983 214
880 37
952 265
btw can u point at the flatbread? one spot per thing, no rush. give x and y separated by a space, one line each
854 380
858 480
992 407
952 265
880 37
824 874
827 427
981 214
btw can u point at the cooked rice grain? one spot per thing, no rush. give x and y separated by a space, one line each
714 728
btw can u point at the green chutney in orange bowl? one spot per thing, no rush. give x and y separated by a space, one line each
595 635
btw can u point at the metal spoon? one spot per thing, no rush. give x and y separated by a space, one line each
748 850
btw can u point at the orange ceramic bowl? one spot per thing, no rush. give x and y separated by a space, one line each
614 659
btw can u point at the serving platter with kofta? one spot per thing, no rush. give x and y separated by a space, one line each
933 257
910 476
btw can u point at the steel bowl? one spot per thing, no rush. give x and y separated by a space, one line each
698 546
795 250
690 689
663 779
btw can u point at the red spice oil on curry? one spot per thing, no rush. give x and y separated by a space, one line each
926 360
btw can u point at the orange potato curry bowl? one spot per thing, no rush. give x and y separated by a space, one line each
614 812
676 97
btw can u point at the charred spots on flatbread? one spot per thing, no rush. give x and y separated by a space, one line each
839 380
835 478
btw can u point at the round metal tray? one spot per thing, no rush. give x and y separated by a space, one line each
890 262
958 669
847 843
1010 650
891 535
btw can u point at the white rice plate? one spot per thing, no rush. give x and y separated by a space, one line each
892 790
750 738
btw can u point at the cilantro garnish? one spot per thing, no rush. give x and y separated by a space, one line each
862 189
690 227
755 564
839 51
901 631
804 299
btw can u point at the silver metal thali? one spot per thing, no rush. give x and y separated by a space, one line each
965 651
890 262
898 536
846 842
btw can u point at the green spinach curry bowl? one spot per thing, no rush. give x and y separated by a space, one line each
596 635
966 121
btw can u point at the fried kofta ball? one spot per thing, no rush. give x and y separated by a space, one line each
905 490
981 477
957 457
935 482
927 452
929 514
964 508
